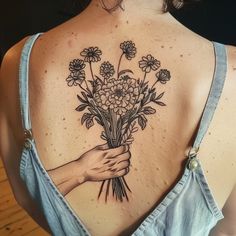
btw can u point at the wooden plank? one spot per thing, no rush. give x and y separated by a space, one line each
14 221
3 175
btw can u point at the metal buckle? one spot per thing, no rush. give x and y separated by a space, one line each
28 138
28 134
193 152
193 162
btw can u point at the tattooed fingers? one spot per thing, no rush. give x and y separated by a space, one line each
100 164
122 172
102 146
113 152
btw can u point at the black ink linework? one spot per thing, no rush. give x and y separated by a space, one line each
116 100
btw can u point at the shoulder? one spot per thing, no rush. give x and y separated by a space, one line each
10 65
230 82
231 54
14 52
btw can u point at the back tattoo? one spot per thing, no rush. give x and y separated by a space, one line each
116 100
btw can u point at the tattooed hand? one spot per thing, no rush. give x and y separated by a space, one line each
101 163
97 164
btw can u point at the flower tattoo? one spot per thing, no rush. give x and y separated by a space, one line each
163 76
117 100
77 74
129 49
149 63
76 65
107 70
91 54
118 95
75 78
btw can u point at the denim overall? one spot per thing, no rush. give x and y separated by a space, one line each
189 209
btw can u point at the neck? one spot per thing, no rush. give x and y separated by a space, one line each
128 6
144 6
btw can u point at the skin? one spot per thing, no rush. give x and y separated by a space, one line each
157 153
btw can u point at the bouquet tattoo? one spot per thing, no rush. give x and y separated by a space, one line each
116 100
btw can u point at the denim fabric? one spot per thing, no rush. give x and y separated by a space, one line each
189 209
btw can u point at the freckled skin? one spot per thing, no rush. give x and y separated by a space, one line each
154 159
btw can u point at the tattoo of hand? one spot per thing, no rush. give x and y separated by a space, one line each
98 164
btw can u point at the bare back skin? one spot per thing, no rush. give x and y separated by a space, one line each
158 151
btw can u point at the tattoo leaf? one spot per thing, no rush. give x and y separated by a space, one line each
98 80
90 95
119 124
159 103
145 99
81 107
152 90
105 114
81 99
89 122
92 111
142 121
85 117
128 114
125 71
148 110
98 121
127 137
160 96
92 83
84 95
153 96
143 86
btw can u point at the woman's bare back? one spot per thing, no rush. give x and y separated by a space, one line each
158 151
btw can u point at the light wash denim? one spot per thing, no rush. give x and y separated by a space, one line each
189 209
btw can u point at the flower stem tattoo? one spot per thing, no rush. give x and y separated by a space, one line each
116 100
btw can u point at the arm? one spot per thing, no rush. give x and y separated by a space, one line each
10 142
11 164
227 226
97 164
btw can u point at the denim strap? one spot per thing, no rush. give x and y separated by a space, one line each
23 81
215 92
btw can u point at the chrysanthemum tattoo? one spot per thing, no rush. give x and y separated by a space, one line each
117 100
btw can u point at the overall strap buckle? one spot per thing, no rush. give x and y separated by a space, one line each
28 138
192 158
28 134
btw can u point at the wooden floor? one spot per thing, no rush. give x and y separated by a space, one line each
14 220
